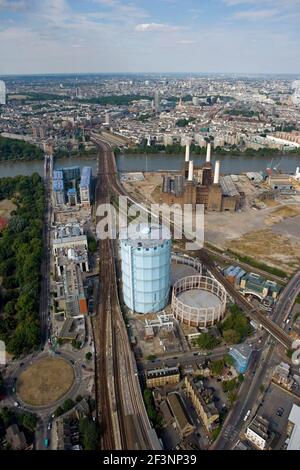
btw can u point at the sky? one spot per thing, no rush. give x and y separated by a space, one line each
78 36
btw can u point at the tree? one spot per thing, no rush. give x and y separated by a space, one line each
90 434
207 341
29 421
217 367
89 356
229 361
231 336
6 416
92 244
68 405
76 344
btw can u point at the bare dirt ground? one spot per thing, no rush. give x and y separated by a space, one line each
6 208
45 381
273 249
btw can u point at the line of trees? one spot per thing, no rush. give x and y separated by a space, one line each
117 100
232 151
21 250
13 149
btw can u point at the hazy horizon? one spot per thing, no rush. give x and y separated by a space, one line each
97 36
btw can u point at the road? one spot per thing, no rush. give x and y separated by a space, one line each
287 300
45 267
264 363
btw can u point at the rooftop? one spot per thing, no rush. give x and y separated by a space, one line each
86 175
155 373
294 418
228 186
145 235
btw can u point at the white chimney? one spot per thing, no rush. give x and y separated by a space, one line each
191 171
187 152
208 152
217 172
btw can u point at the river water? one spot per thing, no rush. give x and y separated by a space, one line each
229 164
125 163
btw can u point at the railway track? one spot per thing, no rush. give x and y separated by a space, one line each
100 324
133 431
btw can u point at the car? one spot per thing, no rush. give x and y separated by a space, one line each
280 412
247 415
49 425
46 443
83 366
17 404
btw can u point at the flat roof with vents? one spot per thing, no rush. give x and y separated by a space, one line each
228 186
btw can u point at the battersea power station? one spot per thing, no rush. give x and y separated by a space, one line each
202 185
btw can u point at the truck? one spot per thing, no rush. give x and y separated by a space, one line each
46 443
247 415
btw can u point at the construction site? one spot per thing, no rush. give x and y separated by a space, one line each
241 210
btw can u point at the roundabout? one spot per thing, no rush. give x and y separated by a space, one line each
45 381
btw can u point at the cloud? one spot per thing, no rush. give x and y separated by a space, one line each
14 5
187 41
256 14
148 27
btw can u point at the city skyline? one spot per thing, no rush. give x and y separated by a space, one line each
114 36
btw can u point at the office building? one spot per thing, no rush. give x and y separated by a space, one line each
58 188
71 173
241 353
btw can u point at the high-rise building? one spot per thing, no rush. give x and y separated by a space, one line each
157 101
85 186
58 188
2 92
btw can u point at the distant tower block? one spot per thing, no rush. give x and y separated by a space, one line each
208 152
217 172
187 152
